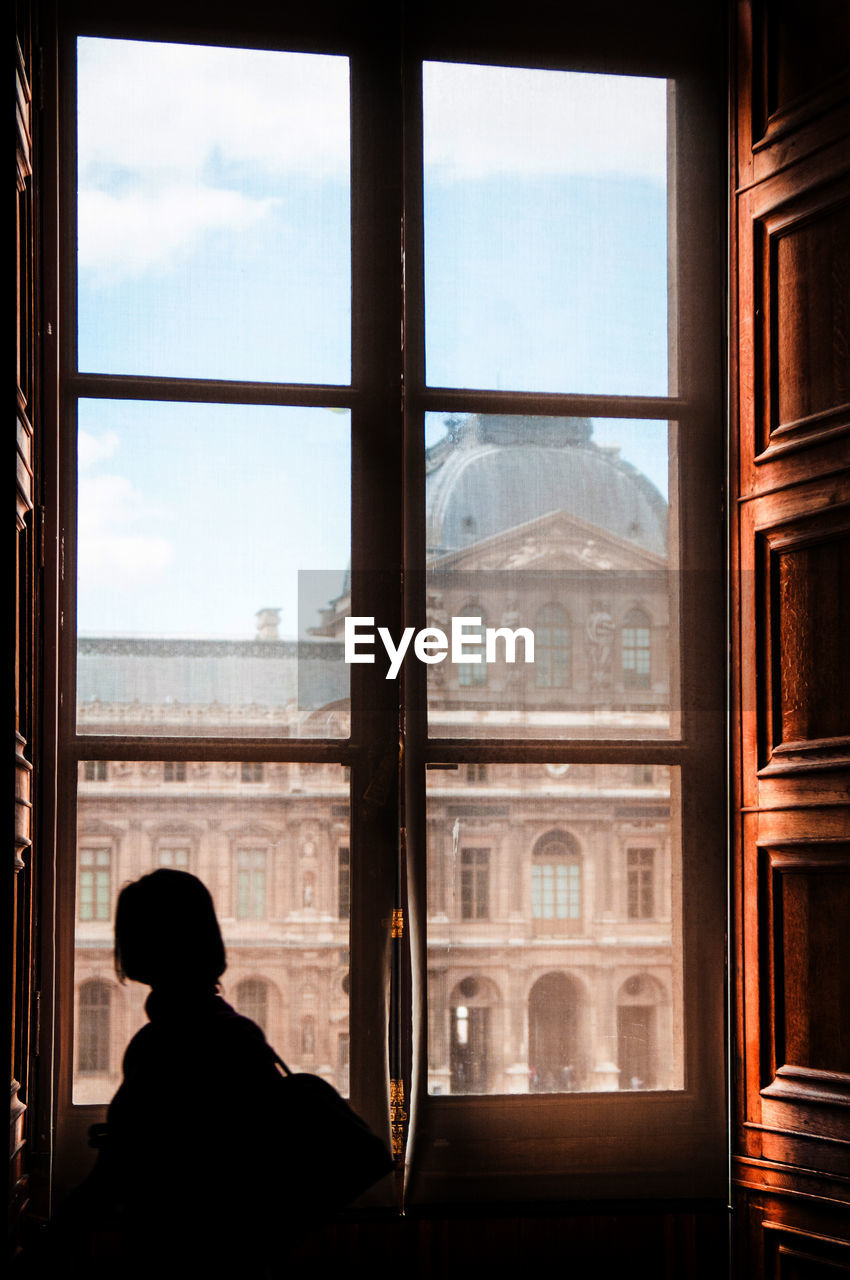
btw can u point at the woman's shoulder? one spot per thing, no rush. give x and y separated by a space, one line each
140 1049
233 1035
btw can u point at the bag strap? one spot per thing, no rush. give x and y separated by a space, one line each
280 1062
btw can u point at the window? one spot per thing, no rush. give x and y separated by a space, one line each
556 880
250 884
94 1009
641 883
342 1061
176 856
552 648
475 884
473 673
95 896
96 771
539 454
636 650
343 874
252 1000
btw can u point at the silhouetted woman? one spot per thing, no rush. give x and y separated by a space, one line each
211 1165
185 1175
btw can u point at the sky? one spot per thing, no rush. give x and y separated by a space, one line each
213 242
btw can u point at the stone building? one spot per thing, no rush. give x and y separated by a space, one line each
553 889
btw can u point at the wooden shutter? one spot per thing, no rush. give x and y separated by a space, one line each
791 633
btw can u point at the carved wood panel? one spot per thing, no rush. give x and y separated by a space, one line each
805 995
806 606
803 301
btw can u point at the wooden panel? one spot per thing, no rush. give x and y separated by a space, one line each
813 979
801 1255
802 300
810 333
808 581
793 323
792 82
663 1242
807 43
783 1236
805 1013
792 592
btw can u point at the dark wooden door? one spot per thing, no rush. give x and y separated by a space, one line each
791 622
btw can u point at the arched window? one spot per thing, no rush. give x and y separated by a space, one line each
93 1027
556 881
473 674
636 650
552 648
252 1001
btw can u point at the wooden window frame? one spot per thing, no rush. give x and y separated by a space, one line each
677 1139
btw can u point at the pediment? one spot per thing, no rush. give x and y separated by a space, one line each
555 542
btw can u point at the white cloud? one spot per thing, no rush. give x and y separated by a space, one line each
111 551
481 121
168 109
162 126
93 449
125 235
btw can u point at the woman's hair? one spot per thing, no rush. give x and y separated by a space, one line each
166 932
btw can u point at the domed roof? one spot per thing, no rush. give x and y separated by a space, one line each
493 472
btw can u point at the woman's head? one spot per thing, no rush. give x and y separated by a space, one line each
166 932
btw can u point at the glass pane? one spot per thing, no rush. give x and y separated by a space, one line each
214 212
545 230
194 523
285 931
569 979
558 532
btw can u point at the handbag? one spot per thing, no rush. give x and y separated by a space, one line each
332 1154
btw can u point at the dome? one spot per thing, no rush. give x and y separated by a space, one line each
491 473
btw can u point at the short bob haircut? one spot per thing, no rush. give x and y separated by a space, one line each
166 932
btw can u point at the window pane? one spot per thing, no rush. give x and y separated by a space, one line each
269 854
214 212
557 531
545 230
573 981
194 523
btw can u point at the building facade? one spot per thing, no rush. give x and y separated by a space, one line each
553 889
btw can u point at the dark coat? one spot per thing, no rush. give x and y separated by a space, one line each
186 1176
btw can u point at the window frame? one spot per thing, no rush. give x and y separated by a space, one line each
388 441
